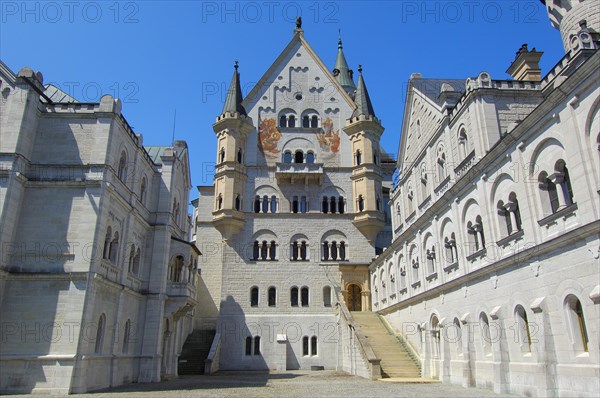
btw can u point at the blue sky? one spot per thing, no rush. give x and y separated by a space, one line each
159 56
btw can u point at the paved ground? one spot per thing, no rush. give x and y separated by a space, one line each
287 384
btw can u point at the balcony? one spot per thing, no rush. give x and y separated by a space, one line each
181 298
303 173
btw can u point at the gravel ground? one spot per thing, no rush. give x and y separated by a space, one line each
286 384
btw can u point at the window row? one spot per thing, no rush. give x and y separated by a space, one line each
239 156
333 204
179 273
290 120
358 157
123 174
252 345
299 251
299 297
101 331
298 157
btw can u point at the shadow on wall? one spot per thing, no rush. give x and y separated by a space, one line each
242 344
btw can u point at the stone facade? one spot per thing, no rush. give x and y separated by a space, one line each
493 272
97 275
279 228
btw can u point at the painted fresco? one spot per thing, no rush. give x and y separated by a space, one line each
329 140
268 137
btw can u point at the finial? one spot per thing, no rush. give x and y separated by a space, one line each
299 22
339 39
359 68
236 64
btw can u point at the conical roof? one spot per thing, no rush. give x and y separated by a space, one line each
361 99
342 72
233 102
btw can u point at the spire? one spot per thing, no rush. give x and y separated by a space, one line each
233 102
362 100
342 73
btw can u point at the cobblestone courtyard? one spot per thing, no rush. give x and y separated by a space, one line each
288 384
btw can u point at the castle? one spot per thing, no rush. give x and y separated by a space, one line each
479 262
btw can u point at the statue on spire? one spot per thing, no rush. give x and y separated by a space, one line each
299 23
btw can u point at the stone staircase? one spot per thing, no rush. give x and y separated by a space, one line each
396 360
194 352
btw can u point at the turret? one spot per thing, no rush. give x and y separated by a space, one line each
231 128
364 131
342 73
578 22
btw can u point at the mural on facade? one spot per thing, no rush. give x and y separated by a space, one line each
329 139
268 137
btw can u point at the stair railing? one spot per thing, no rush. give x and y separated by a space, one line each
211 363
370 360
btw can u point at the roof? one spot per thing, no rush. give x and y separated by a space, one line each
233 102
362 100
57 95
155 152
431 88
341 71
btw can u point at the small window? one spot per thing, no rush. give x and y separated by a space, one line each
248 345
304 296
314 122
295 204
238 203
272 297
305 346
273 204
257 204
341 205
255 250
265 204
342 250
273 250
222 155
303 250
332 204
299 157
310 157
282 121
100 334
325 205
143 191
313 346
305 122
287 157
126 335
303 205
292 121
239 156
361 203
294 297
358 158
263 250
257 345
254 297
122 170
523 328
327 296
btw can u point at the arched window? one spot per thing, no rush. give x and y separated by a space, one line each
303 205
287 157
126 334
475 235
136 262
332 204
143 191
549 195
222 155
375 157
100 334
239 155
114 248
107 239
273 204
463 144
273 250
341 204
325 206
441 163
325 251
294 250
361 203
254 297
513 207
314 121
131 258
310 157
122 169
523 329
504 218
257 204
458 329
576 320
486 338
248 345
424 192
303 250
431 260
292 121
342 250
334 250
305 346
305 121
272 296
263 250
411 204
415 268
219 202
238 203
304 296
358 158
450 249
294 296
402 275
299 157
282 121
327 296
265 204
313 346
257 345
564 181
295 204
255 250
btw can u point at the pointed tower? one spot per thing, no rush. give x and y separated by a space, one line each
342 73
364 131
231 128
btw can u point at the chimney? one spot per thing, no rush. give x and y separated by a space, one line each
526 66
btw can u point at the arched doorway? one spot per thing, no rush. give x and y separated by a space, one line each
354 298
